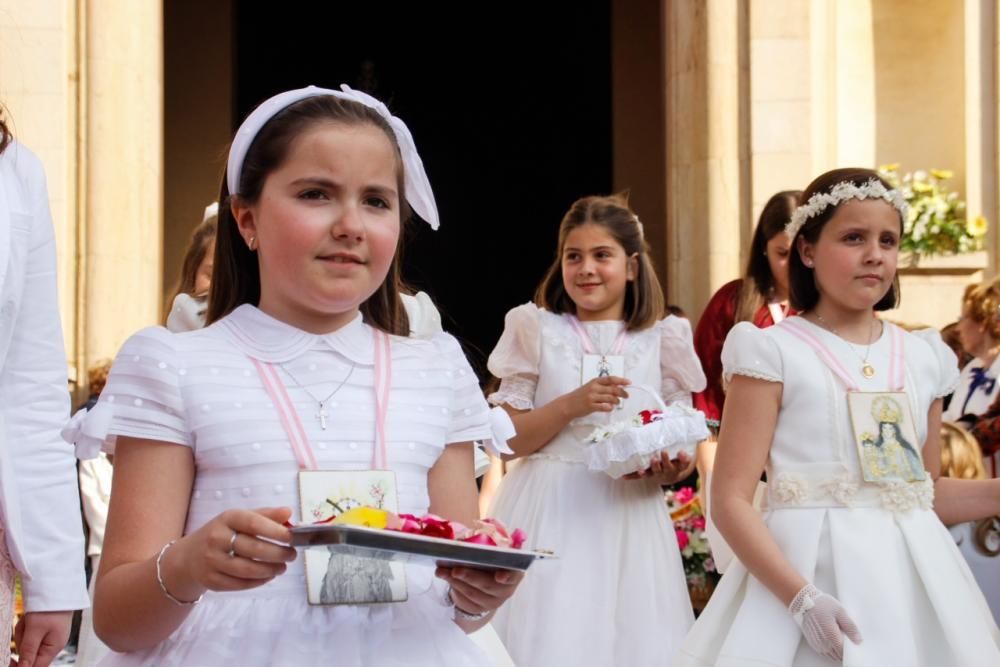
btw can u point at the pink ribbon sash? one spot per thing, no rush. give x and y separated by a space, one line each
896 364
296 432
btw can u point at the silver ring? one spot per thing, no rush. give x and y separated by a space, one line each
232 545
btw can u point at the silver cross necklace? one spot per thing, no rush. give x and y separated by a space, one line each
321 413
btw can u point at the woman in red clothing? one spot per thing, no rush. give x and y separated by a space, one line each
760 296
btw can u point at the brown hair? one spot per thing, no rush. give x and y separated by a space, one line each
236 274
982 304
962 458
97 376
644 302
197 248
802 291
5 136
757 278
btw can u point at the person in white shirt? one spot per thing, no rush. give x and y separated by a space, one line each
42 535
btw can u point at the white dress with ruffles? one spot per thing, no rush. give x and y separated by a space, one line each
617 593
200 390
878 548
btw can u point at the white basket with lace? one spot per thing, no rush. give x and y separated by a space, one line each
630 445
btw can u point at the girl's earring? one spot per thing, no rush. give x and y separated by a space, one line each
808 262
252 244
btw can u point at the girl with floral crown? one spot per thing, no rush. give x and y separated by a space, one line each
619 582
850 563
304 368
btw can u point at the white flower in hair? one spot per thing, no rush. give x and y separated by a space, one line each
838 194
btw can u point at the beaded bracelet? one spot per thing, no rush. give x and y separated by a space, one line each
163 586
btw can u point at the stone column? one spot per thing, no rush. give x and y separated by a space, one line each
121 161
708 136
843 84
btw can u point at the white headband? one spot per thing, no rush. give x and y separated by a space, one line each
840 193
418 187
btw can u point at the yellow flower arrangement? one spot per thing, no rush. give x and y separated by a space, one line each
936 223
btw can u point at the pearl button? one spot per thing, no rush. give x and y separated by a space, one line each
423 374
218 495
111 399
256 445
312 367
238 405
214 371
162 364
246 372
246 491
467 412
444 411
420 408
448 373
182 371
135 358
278 488
333 404
197 494
412 445
461 371
353 445
137 402
205 407
322 445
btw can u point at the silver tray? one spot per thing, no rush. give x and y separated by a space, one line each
397 546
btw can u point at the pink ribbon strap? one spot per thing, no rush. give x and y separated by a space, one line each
296 432
588 344
896 361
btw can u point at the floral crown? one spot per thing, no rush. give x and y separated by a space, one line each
839 193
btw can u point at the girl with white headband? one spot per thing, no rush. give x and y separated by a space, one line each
304 366
850 562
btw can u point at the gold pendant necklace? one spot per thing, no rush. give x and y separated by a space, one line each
867 369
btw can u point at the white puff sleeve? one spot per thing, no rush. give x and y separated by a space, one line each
425 320
142 398
946 359
749 351
516 357
680 368
470 415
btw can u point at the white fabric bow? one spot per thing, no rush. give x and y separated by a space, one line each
418 187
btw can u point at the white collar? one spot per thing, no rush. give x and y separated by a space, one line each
265 338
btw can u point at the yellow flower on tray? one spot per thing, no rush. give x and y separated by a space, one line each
942 174
369 517
977 226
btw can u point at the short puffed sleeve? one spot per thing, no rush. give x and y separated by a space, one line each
515 358
751 352
680 368
425 320
470 415
947 362
142 398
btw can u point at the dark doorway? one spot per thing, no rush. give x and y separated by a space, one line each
510 107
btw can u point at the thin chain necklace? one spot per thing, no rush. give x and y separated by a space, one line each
321 413
866 368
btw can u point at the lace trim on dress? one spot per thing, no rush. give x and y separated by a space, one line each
949 388
517 392
756 374
794 490
7 575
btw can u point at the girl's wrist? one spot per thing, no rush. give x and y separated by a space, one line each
174 575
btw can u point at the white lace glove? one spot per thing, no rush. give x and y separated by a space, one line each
823 621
